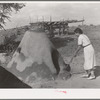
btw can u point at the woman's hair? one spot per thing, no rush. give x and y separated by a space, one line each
78 30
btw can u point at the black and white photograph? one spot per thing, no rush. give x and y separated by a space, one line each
50 45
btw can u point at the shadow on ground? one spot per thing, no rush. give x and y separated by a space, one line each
61 42
8 80
97 71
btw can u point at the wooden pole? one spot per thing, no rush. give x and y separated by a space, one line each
50 18
83 21
37 19
43 18
51 27
29 19
63 28
43 23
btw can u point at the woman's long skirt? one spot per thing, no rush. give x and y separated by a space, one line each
89 58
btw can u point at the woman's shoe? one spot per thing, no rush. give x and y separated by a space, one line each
85 76
91 77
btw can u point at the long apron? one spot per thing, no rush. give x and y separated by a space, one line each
89 57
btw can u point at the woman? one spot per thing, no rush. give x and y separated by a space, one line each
89 54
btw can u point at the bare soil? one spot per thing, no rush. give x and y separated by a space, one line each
66 45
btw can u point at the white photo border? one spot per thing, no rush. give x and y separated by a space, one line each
50 93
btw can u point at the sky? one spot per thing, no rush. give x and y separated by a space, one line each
58 11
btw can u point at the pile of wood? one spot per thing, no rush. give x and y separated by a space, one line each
51 26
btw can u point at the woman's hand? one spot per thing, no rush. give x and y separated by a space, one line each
75 54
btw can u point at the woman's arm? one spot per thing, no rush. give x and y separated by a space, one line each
78 49
76 52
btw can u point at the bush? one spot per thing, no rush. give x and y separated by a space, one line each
9 44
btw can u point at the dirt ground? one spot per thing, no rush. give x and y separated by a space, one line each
66 46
